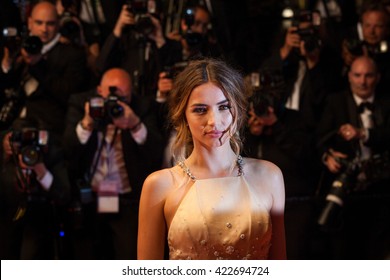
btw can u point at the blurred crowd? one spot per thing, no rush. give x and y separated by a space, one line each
84 86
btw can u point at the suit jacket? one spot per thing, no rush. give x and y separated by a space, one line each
341 109
140 160
11 196
311 90
60 73
128 52
289 144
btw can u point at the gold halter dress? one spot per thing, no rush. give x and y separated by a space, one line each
220 218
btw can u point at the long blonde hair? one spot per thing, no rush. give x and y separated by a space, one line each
199 72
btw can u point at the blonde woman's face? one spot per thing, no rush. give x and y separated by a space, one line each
209 116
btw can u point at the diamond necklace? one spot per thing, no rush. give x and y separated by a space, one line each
239 163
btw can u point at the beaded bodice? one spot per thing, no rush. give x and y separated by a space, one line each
220 218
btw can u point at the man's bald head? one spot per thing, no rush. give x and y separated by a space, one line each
119 78
43 21
363 77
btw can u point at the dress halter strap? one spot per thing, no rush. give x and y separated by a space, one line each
239 164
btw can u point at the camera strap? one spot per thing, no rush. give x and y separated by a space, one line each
23 185
90 174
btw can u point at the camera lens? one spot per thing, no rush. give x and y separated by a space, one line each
30 155
116 111
33 45
144 25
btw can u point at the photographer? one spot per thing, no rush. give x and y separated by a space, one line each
138 45
278 134
195 34
34 189
111 145
43 71
370 37
354 133
304 63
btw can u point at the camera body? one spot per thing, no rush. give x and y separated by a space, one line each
142 11
14 43
106 109
267 87
355 47
30 143
310 33
193 39
69 28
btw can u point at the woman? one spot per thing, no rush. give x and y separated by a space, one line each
214 204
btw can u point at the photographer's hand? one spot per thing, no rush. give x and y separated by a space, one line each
257 124
347 56
164 86
87 122
30 59
7 145
42 174
331 160
125 18
6 62
157 34
292 40
348 132
174 35
39 168
129 120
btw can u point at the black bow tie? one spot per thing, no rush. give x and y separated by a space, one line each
365 105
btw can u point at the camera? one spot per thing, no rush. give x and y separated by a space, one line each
341 187
69 28
101 109
355 47
267 89
30 143
32 45
14 43
310 33
193 39
142 10
376 168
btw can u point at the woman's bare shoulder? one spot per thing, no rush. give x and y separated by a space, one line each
267 179
260 167
266 172
162 180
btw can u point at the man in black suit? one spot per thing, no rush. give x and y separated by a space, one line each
45 77
279 135
34 190
306 64
113 155
355 126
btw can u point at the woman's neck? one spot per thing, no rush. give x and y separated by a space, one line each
216 163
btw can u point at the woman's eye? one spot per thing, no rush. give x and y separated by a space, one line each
225 107
199 110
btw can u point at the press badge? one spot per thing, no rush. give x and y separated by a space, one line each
108 197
